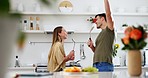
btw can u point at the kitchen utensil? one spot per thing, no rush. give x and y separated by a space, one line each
83 57
90 32
73 43
78 61
73 48
73 63
82 54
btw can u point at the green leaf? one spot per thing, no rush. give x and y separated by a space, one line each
142 44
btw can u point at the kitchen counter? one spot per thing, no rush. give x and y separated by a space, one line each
21 68
122 74
119 72
32 68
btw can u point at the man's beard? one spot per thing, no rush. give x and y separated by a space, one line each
98 27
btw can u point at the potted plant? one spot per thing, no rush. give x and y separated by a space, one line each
134 41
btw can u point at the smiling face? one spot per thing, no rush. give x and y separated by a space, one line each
63 34
101 19
99 22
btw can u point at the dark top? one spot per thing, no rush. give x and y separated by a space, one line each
104 46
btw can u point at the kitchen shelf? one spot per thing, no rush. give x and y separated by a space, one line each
69 32
43 32
58 13
50 32
85 32
34 31
122 32
85 13
130 14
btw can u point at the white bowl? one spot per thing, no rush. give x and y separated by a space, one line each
65 9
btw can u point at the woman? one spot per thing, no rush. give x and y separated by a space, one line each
57 57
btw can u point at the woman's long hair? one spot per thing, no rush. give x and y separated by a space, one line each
56 37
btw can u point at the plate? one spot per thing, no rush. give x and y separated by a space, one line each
65 6
79 73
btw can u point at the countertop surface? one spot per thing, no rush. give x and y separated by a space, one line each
119 74
29 73
17 68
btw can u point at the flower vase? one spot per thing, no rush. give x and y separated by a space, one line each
134 63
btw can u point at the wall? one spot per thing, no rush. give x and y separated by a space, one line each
38 52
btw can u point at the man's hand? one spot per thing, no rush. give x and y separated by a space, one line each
90 43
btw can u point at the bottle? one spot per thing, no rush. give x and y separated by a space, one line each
17 63
31 23
25 24
37 23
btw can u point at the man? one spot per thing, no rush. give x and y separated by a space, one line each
104 42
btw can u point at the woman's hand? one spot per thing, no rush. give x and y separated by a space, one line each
71 55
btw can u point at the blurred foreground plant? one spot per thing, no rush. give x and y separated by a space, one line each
5 13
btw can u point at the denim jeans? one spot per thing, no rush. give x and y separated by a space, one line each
104 66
